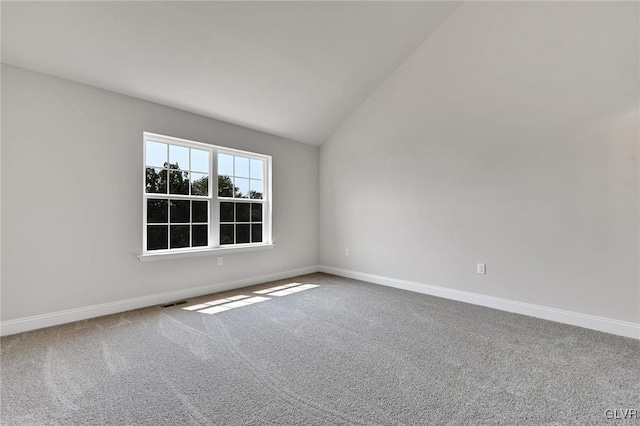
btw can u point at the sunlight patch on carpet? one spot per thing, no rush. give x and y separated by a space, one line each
222 305
293 290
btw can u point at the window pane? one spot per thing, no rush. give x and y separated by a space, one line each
179 157
199 211
256 189
156 155
179 198
256 212
179 236
226 234
257 170
157 237
178 182
242 234
242 212
199 161
156 181
256 233
225 186
225 165
226 212
199 184
199 236
242 188
242 167
180 211
157 211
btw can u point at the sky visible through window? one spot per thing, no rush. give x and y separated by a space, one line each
157 157
179 209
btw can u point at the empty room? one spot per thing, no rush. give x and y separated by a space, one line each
320 213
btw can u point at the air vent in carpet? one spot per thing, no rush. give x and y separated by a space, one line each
168 305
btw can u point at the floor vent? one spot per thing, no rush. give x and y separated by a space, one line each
168 305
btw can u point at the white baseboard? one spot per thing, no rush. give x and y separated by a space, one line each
607 325
61 317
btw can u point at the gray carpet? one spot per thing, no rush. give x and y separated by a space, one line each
345 352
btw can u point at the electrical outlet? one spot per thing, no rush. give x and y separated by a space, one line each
346 252
482 268
220 262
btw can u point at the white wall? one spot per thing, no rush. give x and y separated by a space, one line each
72 205
510 137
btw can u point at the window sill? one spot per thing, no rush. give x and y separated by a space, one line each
170 255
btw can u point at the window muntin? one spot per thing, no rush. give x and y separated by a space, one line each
176 170
240 177
241 222
173 223
185 210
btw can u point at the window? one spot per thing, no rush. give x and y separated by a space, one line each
186 210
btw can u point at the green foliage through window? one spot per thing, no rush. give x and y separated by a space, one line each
180 210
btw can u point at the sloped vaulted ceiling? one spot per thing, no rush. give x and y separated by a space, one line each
293 69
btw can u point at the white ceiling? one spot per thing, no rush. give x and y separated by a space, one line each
293 69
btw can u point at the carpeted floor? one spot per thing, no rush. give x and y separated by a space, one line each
345 352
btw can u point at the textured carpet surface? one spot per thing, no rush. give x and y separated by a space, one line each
345 352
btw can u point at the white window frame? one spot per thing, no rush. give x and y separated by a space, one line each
214 201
